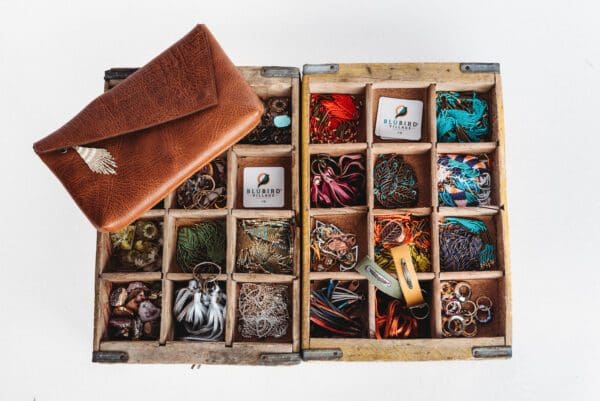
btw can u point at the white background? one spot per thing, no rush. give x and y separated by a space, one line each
53 54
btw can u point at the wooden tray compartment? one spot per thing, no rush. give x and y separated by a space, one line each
355 89
405 90
168 348
350 221
417 81
420 161
495 228
363 307
105 263
488 92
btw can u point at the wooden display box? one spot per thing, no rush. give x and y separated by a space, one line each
419 82
267 82
371 81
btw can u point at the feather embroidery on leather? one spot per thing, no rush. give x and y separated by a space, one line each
98 160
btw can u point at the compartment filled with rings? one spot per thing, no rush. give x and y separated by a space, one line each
472 308
338 241
339 308
206 189
434 201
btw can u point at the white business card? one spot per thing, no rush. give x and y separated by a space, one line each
399 119
264 187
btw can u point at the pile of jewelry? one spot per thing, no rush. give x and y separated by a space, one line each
202 242
137 247
395 182
337 181
200 307
263 310
275 126
392 231
461 117
265 246
331 248
465 244
207 189
464 180
336 309
135 311
334 118
462 316
397 321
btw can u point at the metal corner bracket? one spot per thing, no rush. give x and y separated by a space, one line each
492 352
479 67
309 69
110 356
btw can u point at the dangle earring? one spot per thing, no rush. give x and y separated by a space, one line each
201 306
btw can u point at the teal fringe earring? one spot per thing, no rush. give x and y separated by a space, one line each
465 244
461 117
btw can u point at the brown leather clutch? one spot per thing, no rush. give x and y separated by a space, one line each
134 144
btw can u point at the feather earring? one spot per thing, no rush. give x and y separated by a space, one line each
98 160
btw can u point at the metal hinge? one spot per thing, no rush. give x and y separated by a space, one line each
492 352
287 358
320 69
322 354
280 72
479 67
118 73
110 356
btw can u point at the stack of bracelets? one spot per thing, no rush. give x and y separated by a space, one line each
461 316
207 189
465 244
334 118
331 248
263 310
335 309
265 246
395 182
337 181
202 242
461 117
392 231
463 180
275 126
396 322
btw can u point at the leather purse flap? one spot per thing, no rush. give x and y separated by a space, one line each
136 143
178 82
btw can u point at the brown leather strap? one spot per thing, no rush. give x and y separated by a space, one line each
407 276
